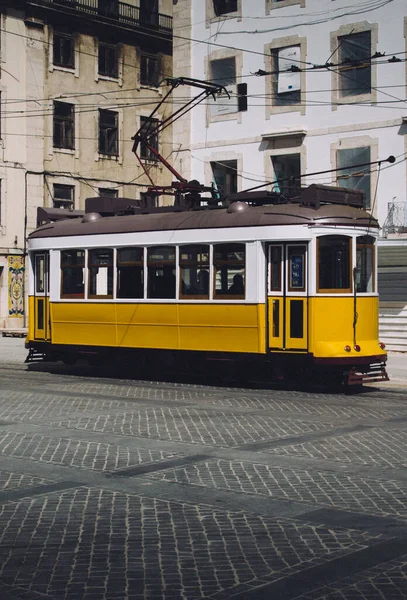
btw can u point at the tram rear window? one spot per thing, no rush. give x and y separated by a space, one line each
130 273
334 264
100 264
229 262
72 273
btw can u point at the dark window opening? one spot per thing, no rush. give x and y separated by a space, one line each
130 273
365 264
108 132
148 126
297 319
63 50
287 171
149 70
108 61
354 52
275 268
161 272
224 7
63 196
109 192
194 271
72 273
229 261
64 125
149 12
334 264
100 273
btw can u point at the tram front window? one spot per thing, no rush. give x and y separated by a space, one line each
72 273
365 264
229 261
334 264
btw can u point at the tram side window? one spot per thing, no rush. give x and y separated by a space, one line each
72 273
130 273
194 271
100 264
275 268
365 264
334 264
161 272
229 262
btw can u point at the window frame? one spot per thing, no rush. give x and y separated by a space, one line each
91 265
132 263
148 81
194 264
348 72
372 246
334 291
70 203
62 35
110 71
66 126
145 152
162 263
80 296
342 175
220 263
103 133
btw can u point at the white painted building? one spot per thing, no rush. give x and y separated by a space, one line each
326 89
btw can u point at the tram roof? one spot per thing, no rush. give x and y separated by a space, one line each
237 216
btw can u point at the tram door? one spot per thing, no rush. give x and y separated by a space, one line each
41 296
287 297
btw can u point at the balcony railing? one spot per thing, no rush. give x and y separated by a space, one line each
121 12
396 221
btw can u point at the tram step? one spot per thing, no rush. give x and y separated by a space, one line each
34 356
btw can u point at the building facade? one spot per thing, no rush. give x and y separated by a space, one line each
78 79
317 89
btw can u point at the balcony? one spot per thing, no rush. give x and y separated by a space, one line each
111 13
395 224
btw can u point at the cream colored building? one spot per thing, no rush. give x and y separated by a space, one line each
325 83
78 79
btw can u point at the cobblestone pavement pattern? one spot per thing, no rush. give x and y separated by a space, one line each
119 489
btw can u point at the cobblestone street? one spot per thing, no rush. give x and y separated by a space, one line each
121 489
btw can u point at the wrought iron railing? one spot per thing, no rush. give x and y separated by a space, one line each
396 220
111 9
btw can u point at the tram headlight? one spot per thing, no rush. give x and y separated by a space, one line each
357 347
347 348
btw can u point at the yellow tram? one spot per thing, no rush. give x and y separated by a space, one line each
290 285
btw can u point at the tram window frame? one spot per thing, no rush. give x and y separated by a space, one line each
164 265
64 266
130 273
365 244
223 265
297 278
273 275
92 266
348 274
200 288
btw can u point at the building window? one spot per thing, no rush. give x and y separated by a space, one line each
286 80
130 273
223 72
63 196
64 125
353 176
63 50
148 138
72 273
287 171
354 53
149 12
108 60
224 7
100 265
194 271
229 264
161 272
108 192
149 70
108 132
334 264
225 176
